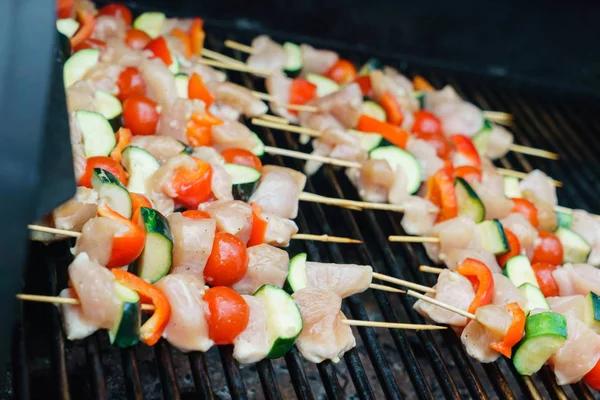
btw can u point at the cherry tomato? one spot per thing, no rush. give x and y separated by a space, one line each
117 10
592 378
438 141
242 157
543 274
90 44
130 82
105 163
302 91
196 214
514 248
193 186
549 249
468 173
138 201
228 260
426 122
527 209
228 314
140 115
137 39
343 71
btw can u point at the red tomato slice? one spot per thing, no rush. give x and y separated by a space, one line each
140 115
137 39
130 82
193 186
343 71
426 122
527 209
549 250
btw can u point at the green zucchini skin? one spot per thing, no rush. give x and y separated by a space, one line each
157 257
469 204
244 181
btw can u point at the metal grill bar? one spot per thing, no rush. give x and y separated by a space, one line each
132 375
200 375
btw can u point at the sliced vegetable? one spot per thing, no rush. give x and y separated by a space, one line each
228 261
564 220
137 202
199 129
368 141
137 39
197 90
130 82
197 35
420 97
392 108
465 152
110 107
186 42
127 244
468 202
514 333
365 85
302 91
196 214
182 83
140 115
421 84
374 110
259 226
228 314
160 49
105 163
548 249
441 192
592 314
372 64
284 321
401 160
78 64
259 150
98 136
482 138
482 279
545 279
193 186
157 257
575 249
514 248
297 279
293 64
242 157
468 173
126 332
519 271
534 297
151 23
343 71
391 133
426 122
117 10
511 188
87 23
324 85
592 378
141 166
526 209
123 136
111 192
244 181
493 238
442 146
67 26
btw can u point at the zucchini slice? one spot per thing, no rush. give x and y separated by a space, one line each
374 110
112 192
544 334
420 97
182 82
293 64
67 26
534 297
157 257
175 66
592 311
324 85
244 180
368 141
140 165
493 238
284 321
575 249
109 106
469 203
482 138
296 278
564 220
126 332
401 159
259 150
371 65
519 271
512 190
78 64
98 136
151 23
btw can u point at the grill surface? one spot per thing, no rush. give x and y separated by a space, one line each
393 364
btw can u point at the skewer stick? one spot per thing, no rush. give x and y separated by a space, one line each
239 46
521 175
517 148
352 204
376 286
234 67
222 57
431 270
289 128
274 118
498 117
440 304
404 283
393 325
413 239
297 107
55 231
62 300
312 157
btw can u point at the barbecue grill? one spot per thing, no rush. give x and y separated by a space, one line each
386 363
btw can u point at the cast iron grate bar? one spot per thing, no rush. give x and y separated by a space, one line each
200 375
133 384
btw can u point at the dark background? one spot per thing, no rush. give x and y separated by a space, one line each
553 43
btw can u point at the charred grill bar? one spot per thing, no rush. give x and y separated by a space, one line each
394 364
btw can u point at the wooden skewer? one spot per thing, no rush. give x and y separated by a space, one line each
517 148
440 304
297 107
289 128
222 57
402 282
55 231
234 67
359 205
521 175
274 118
62 300
239 46
498 117
386 288
313 157
413 239
393 325
432 270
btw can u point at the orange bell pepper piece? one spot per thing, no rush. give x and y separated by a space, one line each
395 116
196 214
197 36
185 39
421 83
138 201
391 133
197 90
126 246
88 22
123 140
259 226
515 331
482 279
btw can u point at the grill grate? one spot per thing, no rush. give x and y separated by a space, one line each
392 364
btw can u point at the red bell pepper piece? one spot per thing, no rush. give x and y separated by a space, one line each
364 82
259 226
64 8
196 214
199 129
440 191
465 151
426 122
197 90
123 140
185 40
482 279
421 84
395 116
154 327
302 91
138 201
88 22
159 48
468 173
193 186
514 248
515 331
126 245
391 133
197 36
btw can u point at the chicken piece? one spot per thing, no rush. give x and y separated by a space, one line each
491 192
456 233
539 183
238 97
453 289
104 76
477 338
523 230
95 288
577 279
375 176
232 134
171 23
435 100
224 111
208 154
324 336
279 190
506 292
426 155
343 279
400 87
419 215
318 121
266 264
317 61
76 325
267 56
588 228
221 183
335 143
119 53
107 26
192 244
456 257
279 230
161 181
578 355
398 193
187 329
207 73
575 306
159 80
499 142
460 118
96 238
547 219
232 216
160 147
73 214
79 158
279 87
175 117
345 105
252 345
80 96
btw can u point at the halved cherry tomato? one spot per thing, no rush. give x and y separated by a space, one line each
105 163
130 82
160 49
193 186
228 260
138 201
592 378
549 249
140 115
426 122
302 91
127 245
90 44
465 152
197 36
392 108
228 314
514 248
137 39
468 173
196 214
185 40
527 209
259 226
543 274
197 90
365 85
343 71
442 146
391 133
86 28
242 157
421 84
123 139
441 192
117 10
